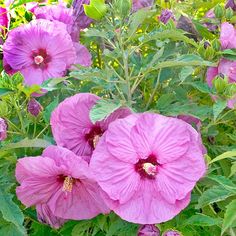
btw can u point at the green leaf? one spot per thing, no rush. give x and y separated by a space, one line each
218 107
165 100
174 35
185 72
35 143
51 84
230 216
202 220
225 155
10 230
214 194
229 54
200 86
233 169
49 109
123 7
10 211
222 180
5 91
136 20
102 109
96 9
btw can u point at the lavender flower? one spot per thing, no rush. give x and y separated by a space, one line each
3 129
231 4
166 15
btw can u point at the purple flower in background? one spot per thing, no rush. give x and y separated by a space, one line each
3 129
34 107
210 15
55 12
191 120
172 233
166 15
4 20
41 50
231 4
138 4
148 230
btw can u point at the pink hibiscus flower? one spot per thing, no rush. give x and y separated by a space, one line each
63 182
147 164
227 36
36 51
227 68
72 127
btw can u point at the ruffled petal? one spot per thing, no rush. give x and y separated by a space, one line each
117 178
118 139
70 122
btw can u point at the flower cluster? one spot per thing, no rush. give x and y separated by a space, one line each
141 166
36 50
225 67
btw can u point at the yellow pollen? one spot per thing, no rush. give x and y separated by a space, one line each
68 184
95 140
149 168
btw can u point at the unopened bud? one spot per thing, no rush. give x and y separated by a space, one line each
229 13
34 107
166 15
231 4
148 230
220 84
219 11
172 233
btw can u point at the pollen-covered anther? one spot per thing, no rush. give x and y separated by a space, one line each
38 60
96 140
150 169
68 184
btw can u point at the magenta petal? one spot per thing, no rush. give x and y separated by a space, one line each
70 122
116 178
227 36
84 202
149 208
84 57
212 72
118 139
45 216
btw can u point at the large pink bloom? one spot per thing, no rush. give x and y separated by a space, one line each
227 68
227 36
41 50
148 164
63 182
72 127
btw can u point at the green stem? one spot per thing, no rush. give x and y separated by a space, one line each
154 91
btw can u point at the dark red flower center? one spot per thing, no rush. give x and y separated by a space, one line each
147 168
93 136
41 58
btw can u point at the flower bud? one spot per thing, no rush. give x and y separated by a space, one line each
172 233
219 11
3 129
220 84
166 15
34 107
230 90
229 13
230 4
187 25
148 230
